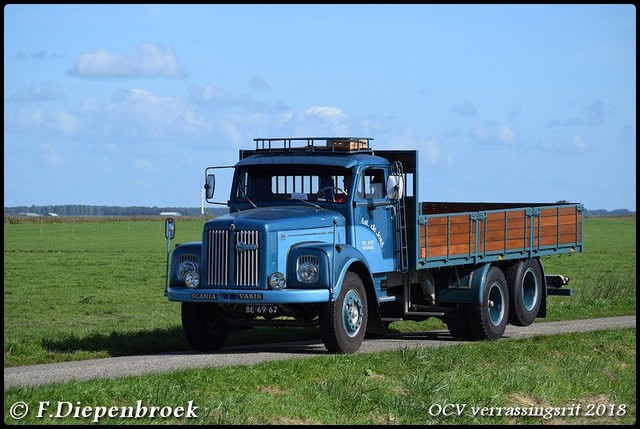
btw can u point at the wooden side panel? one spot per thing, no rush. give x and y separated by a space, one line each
558 226
500 232
504 231
447 235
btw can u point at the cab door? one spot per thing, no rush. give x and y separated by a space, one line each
374 220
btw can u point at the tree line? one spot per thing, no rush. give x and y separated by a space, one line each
86 210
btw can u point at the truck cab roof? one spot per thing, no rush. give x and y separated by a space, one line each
317 159
344 152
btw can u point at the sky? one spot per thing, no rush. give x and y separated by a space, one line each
127 105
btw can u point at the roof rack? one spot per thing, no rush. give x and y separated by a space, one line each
311 144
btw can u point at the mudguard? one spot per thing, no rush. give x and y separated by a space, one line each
334 262
191 250
474 291
470 289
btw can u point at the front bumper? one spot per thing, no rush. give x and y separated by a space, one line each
235 296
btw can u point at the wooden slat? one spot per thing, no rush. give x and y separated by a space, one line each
500 232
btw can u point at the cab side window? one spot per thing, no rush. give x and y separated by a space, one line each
371 184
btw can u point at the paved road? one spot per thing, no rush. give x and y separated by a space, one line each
37 375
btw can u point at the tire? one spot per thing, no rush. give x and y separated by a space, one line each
458 325
343 323
203 327
488 319
525 291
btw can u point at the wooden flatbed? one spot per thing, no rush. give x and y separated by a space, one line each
470 233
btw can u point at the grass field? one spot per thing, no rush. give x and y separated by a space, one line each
87 288
80 290
572 379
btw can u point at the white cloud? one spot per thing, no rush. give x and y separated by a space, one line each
506 134
140 113
50 157
429 147
210 94
491 134
45 121
145 60
66 122
47 91
326 112
578 142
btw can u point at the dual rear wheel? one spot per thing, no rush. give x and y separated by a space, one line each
512 297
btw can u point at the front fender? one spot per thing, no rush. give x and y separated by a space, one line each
349 258
334 262
191 251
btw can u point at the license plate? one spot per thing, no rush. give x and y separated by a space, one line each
261 309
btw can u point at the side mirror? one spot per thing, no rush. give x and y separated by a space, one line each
169 228
210 185
395 187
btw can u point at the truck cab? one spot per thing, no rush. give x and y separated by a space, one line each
305 217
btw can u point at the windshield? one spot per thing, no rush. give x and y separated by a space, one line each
314 183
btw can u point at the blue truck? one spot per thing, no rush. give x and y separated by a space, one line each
328 232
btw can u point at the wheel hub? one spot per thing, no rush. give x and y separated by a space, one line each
352 313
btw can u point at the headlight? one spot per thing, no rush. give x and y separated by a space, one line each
192 279
185 267
277 280
308 270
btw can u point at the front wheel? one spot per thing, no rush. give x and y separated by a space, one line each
458 325
488 319
343 322
203 327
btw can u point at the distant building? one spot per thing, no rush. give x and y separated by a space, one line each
29 214
170 214
52 214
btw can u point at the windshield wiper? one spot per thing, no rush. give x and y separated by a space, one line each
301 196
244 194
308 202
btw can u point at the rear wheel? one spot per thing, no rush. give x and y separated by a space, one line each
525 291
203 327
343 322
488 319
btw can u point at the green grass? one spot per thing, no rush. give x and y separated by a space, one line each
603 276
572 374
86 289
79 289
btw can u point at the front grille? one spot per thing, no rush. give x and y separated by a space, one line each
233 251
218 258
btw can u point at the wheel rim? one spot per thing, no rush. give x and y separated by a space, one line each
352 313
529 289
496 304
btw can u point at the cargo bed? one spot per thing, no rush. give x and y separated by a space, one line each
471 233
